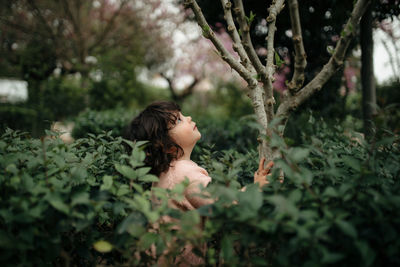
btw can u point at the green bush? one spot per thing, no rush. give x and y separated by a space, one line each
50 100
95 122
338 204
88 204
224 134
64 205
17 116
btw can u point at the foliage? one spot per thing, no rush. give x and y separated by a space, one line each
57 200
55 99
235 134
95 122
16 116
388 99
338 204
88 203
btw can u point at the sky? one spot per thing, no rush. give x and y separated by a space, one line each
382 68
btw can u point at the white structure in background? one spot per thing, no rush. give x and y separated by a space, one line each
386 53
13 91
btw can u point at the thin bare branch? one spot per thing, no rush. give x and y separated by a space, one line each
246 39
226 56
75 24
232 30
39 14
274 10
108 27
336 61
300 61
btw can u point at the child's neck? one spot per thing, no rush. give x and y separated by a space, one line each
186 154
185 157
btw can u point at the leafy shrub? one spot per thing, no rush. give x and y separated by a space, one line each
225 134
89 204
338 204
17 116
59 202
95 122
50 100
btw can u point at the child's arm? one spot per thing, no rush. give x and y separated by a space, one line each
197 197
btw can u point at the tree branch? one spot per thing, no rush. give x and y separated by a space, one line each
186 92
108 27
269 102
39 14
232 30
226 56
246 40
300 62
336 61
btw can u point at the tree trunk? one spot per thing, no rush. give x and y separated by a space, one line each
367 73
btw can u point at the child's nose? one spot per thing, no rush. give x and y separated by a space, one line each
189 118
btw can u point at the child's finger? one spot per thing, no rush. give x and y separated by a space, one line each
261 164
269 166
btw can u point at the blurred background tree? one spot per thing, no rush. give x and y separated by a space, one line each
83 53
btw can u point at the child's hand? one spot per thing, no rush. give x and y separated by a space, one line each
260 176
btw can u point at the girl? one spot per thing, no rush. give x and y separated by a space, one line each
172 137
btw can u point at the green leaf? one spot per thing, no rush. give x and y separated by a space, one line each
295 196
330 192
330 50
123 190
251 18
58 204
148 178
142 171
283 206
126 171
103 246
347 228
147 240
352 162
330 257
298 154
278 61
251 198
80 198
227 247
367 253
12 169
107 183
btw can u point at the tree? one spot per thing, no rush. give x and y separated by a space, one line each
259 76
367 73
90 41
77 31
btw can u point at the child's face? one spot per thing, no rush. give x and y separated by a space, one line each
185 132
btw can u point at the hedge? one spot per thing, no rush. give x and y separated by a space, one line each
88 203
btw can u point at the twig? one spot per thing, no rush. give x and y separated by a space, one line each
274 10
232 30
226 56
300 61
335 61
246 40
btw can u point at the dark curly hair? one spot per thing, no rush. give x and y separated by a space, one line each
152 125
